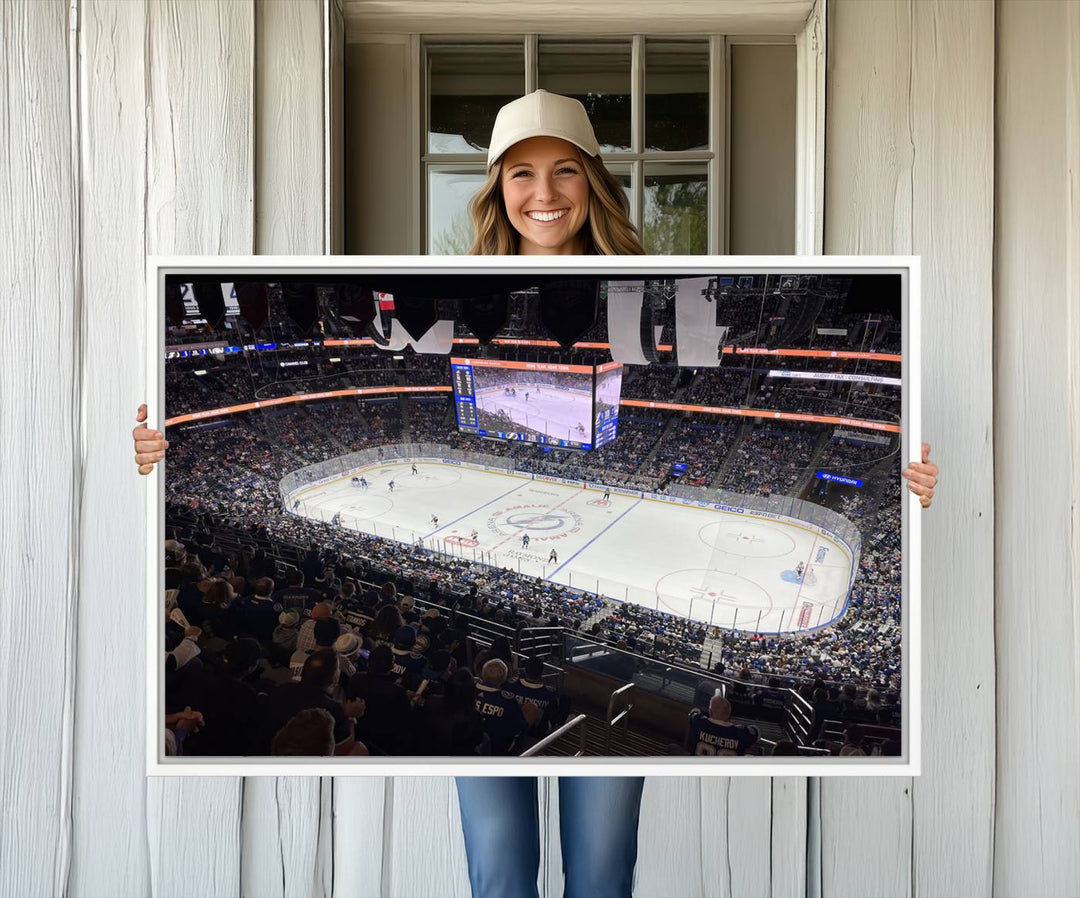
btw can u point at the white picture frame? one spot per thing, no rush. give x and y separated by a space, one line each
908 764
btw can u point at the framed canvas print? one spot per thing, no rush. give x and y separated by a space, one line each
498 515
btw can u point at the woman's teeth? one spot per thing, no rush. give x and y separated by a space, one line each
546 216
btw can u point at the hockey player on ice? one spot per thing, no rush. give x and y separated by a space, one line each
434 521
525 540
607 495
553 558
473 536
391 485
414 468
799 568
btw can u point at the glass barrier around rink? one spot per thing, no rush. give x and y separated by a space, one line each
707 603
354 461
799 509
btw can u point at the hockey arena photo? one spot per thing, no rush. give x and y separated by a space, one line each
535 517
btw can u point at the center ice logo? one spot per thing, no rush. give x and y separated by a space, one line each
534 520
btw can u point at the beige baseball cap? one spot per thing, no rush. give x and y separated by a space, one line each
541 114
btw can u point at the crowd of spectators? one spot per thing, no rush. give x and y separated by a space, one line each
232 472
660 382
330 659
230 469
864 646
824 397
652 632
721 386
625 462
770 459
849 457
701 444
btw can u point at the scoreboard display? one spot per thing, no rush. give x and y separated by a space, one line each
608 391
556 406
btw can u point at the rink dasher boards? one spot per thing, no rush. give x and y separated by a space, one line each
725 565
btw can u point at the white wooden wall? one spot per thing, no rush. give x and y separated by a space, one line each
953 132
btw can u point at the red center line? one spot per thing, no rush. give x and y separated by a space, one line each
553 507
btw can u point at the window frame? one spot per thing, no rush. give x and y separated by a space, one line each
809 110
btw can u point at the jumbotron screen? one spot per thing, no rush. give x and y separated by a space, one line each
608 391
554 405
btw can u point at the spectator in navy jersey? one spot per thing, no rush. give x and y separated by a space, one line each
387 721
531 689
312 565
716 734
229 704
295 594
505 721
258 613
408 665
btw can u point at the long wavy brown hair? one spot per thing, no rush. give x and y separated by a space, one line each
607 231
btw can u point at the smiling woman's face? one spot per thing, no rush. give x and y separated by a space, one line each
546 195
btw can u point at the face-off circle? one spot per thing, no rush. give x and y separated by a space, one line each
429 477
706 585
368 507
749 538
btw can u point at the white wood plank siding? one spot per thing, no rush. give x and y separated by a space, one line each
953 230
40 446
110 856
199 201
1038 460
280 835
788 837
670 840
200 188
362 808
286 830
424 811
289 129
736 836
909 169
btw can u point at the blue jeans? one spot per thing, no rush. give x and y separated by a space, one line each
598 821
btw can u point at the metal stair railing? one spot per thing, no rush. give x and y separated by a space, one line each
578 721
623 716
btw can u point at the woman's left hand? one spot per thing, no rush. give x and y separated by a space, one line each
922 477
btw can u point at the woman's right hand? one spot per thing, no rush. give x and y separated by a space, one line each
150 445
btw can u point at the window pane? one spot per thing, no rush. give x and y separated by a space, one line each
597 74
676 95
624 176
466 87
449 191
676 208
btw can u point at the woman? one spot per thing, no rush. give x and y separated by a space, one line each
381 630
548 193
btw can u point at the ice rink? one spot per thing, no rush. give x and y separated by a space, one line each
561 414
730 569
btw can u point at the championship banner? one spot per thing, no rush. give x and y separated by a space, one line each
698 338
626 326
